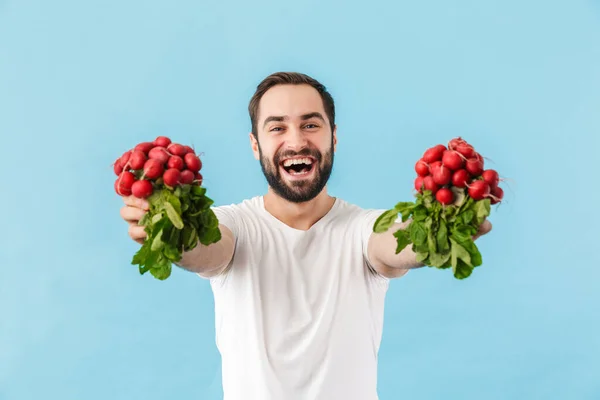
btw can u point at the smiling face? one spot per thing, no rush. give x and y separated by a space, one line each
295 144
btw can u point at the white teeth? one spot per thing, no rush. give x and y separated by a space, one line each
298 173
293 161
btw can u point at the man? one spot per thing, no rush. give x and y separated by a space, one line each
299 277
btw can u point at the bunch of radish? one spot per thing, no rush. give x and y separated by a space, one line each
180 216
454 194
458 165
149 164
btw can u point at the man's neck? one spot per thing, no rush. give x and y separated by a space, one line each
298 215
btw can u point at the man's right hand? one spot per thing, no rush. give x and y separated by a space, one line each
207 261
132 212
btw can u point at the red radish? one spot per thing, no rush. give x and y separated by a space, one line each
434 166
198 180
419 184
434 153
124 182
441 175
175 162
171 177
126 179
117 167
444 196
430 184
192 162
491 177
125 158
496 195
144 147
121 191
475 166
153 169
142 189
460 178
452 160
186 177
465 149
137 160
188 149
176 149
455 142
479 190
160 154
162 141
422 168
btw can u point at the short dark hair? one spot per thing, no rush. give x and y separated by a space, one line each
290 78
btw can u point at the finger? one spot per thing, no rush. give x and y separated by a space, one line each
137 232
486 226
133 201
132 214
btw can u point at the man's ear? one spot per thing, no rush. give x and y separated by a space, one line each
334 138
254 146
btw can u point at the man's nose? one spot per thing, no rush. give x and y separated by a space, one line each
296 139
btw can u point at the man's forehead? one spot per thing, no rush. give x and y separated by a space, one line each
290 100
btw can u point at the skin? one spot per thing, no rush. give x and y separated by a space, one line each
291 122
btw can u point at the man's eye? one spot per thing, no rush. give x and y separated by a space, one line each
310 126
275 128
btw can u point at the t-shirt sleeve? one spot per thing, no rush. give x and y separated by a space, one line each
227 216
368 219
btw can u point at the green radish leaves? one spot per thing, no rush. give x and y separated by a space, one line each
385 221
441 236
402 238
175 223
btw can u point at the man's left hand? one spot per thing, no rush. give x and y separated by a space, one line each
484 228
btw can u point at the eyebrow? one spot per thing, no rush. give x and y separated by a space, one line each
304 117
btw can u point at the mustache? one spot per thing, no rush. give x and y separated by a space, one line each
303 153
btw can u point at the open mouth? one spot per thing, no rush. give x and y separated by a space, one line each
298 167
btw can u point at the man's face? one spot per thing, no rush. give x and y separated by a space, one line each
295 144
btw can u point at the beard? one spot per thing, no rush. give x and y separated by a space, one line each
298 191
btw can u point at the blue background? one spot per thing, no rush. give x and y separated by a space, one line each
82 81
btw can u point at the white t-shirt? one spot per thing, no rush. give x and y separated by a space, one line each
299 314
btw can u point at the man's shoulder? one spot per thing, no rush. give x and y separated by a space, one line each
240 206
348 206
233 214
349 210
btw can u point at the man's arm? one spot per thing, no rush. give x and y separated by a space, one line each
382 251
206 261
212 260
